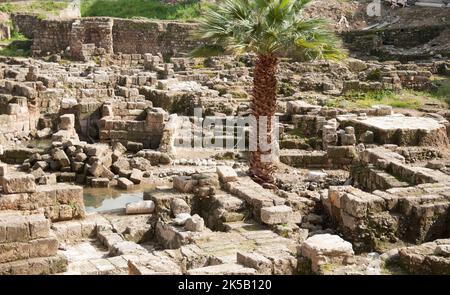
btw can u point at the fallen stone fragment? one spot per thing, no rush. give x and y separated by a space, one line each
19 183
125 183
100 182
184 184
316 176
323 249
143 207
226 174
136 176
178 206
276 214
180 219
195 223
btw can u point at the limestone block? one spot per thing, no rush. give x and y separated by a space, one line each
67 122
184 184
3 169
100 182
124 183
195 223
144 207
178 206
136 176
19 183
325 249
61 157
17 228
39 226
257 261
48 179
276 214
226 174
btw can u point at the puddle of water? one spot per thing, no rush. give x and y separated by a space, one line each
104 199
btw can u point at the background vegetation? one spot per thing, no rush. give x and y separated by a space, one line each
406 98
42 7
186 10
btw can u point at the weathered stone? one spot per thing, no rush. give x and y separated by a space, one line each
67 122
178 206
257 261
124 183
276 214
136 176
19 183
316 176
184 184
195 223
226 174
181 218
100 182
143 207
61 157
326 249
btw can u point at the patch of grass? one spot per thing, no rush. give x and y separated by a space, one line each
49 5
18 45
408 99
443 91
7 7
285 89
153 9
42 8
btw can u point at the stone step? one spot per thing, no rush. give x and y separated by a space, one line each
222 269
304 159
102 266
228 201
75 230
15 227
35 266
253 194
31 249
150 264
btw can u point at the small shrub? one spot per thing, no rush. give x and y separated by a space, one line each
375 75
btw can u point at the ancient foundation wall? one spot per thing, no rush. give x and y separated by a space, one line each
403 37
98 36
53 36
90 37
15 121
141 36
372 42
25 23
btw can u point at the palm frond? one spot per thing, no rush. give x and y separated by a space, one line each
268 27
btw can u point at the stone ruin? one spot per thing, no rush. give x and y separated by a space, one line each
358 191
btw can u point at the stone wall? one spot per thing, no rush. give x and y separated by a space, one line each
25 23
53 36
15 121
146 124
141 36
374 42
27 246
90 37
98 36
5 32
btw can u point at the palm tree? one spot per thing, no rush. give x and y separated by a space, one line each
270 29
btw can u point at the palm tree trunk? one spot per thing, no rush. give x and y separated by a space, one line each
264 104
